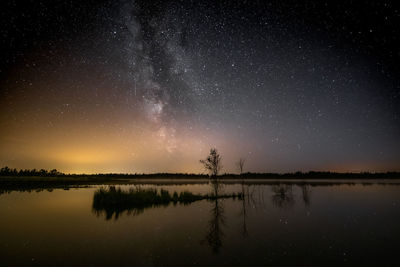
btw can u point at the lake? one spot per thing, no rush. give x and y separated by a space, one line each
294 223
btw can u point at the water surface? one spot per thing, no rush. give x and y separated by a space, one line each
285 224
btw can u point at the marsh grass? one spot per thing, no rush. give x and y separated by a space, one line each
114 201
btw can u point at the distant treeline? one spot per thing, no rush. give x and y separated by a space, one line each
322 175
8 172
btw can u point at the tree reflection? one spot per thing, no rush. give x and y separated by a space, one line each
283 195
216 186
114 201
215 233
244 213
306 190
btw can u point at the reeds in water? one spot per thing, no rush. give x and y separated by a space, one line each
114 200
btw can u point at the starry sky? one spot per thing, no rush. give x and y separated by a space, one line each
150 86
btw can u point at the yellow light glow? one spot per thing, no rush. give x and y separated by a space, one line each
84 156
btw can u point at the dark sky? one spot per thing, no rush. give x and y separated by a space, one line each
150 86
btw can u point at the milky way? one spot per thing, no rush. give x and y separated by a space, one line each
151 86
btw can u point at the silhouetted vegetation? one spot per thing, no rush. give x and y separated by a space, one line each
114 201
318 175
7 172
240 165
213 162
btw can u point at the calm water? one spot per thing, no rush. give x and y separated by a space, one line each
275 224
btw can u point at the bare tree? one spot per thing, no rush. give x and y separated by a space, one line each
213 162
240 165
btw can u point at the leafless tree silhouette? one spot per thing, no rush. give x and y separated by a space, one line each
240 165
213 162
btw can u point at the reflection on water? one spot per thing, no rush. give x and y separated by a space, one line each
243 213
215 232
271 224
111 200
115 211
283 195
216 223
306 193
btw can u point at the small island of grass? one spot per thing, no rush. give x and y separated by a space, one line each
112 200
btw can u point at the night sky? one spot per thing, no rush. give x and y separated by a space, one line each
151 86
